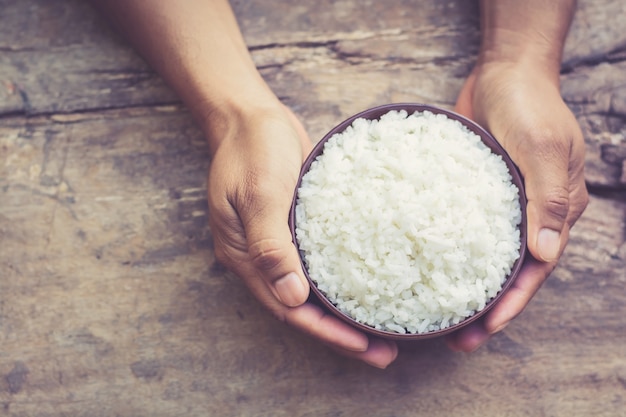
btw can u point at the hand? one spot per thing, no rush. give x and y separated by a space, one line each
252 179
522 107
257 148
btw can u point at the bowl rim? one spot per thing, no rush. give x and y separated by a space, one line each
374 113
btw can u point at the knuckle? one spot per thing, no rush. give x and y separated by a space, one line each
227 248
266 254
229 252
557 203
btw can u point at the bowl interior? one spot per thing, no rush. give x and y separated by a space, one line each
374 114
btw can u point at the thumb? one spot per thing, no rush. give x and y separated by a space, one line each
545 170
272 251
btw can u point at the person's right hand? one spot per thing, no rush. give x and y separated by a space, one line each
252 178
257 148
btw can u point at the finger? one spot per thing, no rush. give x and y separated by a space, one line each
469 338
339 336
543 160
256 262
342 338
312 320
264 206
270 246
380 353
531 277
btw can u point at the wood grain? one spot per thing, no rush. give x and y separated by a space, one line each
111 302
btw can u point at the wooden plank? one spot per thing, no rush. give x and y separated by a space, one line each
71 60
112 302
595 35
597 95
327 61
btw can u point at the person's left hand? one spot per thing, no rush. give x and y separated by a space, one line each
522 108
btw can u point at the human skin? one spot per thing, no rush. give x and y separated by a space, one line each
257 147
514 92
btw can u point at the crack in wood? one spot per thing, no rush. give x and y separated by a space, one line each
614 56
607 192
299 44
15 49
74 116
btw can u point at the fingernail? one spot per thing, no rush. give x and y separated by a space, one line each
290 290
377 364
500 327
380 353
548 244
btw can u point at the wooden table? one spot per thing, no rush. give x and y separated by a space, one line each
112 304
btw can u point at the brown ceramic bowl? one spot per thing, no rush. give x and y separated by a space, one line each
410 108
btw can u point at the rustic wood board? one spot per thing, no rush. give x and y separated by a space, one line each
111 302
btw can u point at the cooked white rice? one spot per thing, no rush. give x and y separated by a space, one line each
408 224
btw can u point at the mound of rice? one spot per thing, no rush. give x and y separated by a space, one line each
409 223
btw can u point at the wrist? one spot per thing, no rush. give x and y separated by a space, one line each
224 116
519 50
528 33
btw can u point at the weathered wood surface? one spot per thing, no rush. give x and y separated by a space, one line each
111 302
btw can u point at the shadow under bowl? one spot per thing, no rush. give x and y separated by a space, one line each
374 114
